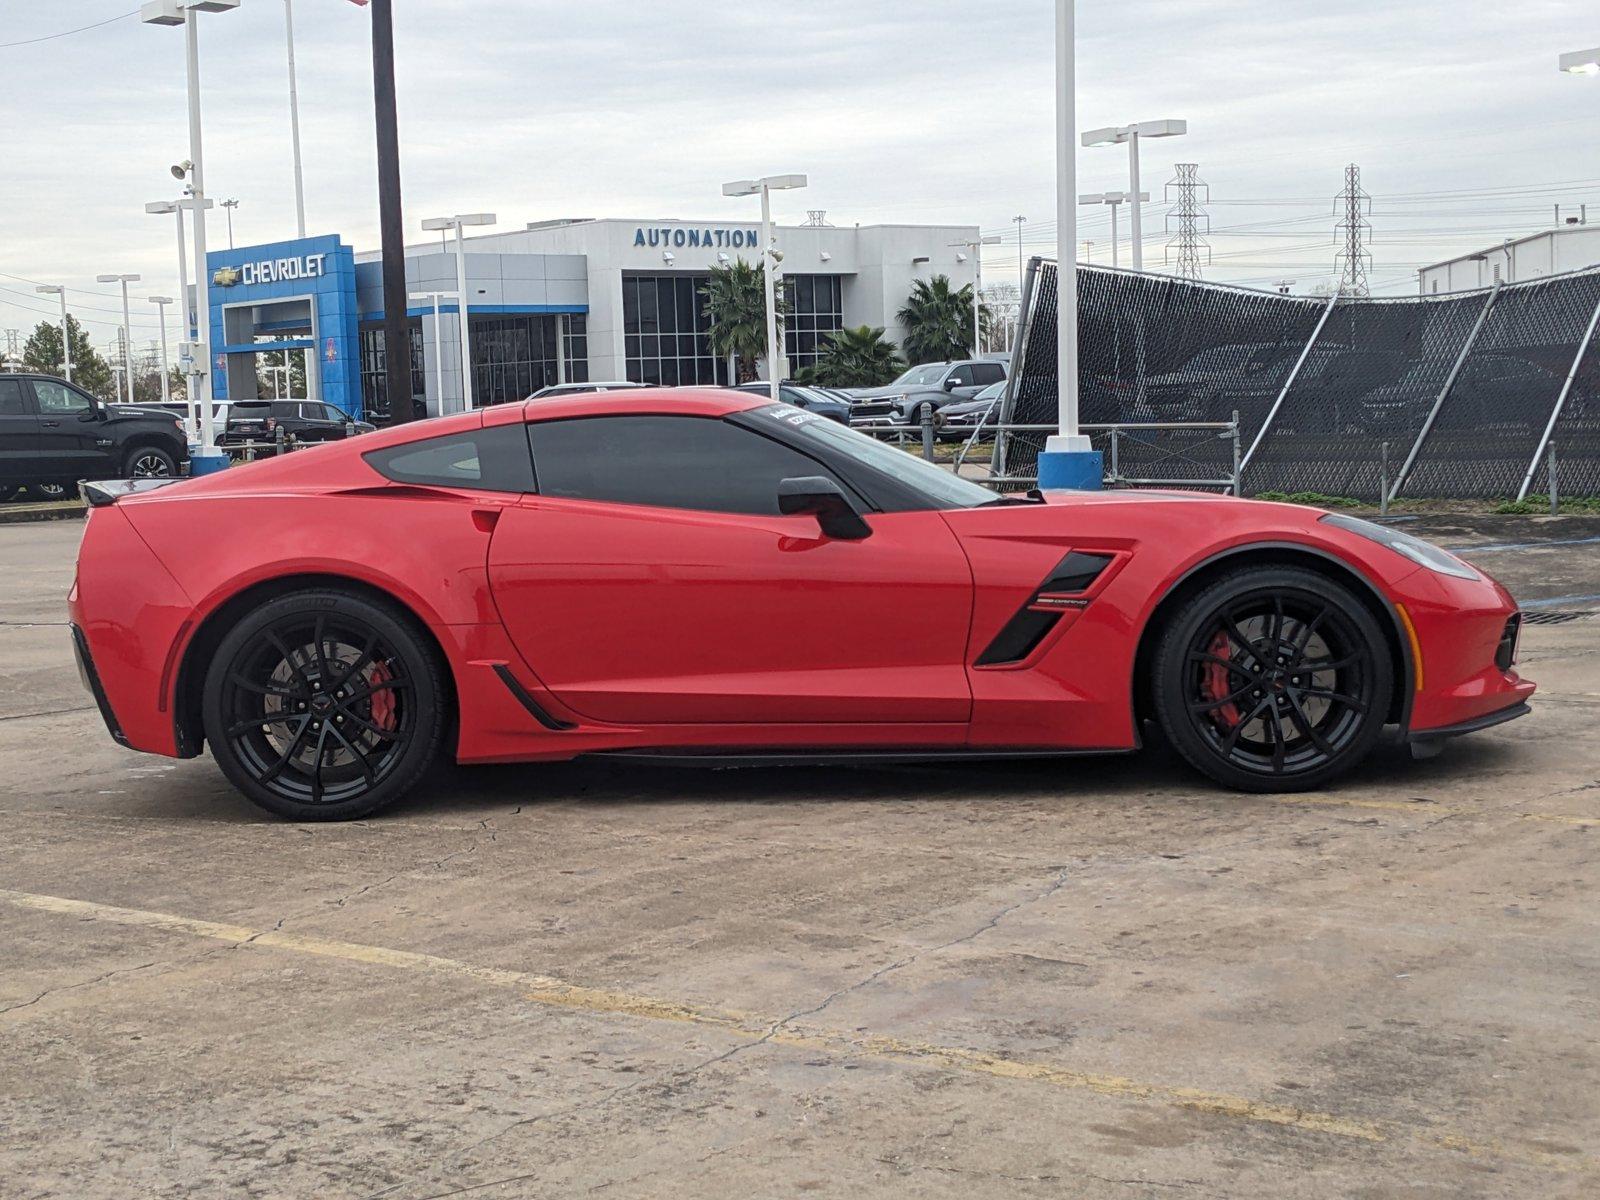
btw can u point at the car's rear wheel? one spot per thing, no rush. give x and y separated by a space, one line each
324 705
50 491
1273 679
149 462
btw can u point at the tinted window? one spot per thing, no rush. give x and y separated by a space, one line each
56 398
672 462
11 401
987 373
961 376
491 460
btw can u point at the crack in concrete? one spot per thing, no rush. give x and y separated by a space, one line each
83 983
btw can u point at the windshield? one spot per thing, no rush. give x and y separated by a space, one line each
991 393
940 488
928 373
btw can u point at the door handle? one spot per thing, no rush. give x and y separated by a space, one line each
50 424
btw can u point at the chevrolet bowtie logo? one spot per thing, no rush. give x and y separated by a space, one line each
226 276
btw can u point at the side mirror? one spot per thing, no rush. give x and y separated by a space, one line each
92 414
824 499
952 384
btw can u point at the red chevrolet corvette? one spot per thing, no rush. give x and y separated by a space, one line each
703 575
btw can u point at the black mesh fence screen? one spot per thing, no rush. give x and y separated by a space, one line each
1348 388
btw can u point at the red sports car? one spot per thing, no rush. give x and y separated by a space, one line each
704 575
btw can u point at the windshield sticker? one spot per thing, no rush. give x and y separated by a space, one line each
789 415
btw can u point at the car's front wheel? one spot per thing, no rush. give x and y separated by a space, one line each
1273 679
324 705
149 462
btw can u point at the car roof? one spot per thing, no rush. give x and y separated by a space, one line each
691 401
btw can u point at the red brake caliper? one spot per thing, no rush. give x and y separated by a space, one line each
383 699
1218 682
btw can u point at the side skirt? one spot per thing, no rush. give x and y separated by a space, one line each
832 758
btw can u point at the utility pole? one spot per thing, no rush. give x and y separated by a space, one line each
1022 265
1186 185
396 326
1354 230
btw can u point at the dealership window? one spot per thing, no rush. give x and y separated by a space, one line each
816 309
514 356
576 334
374 370
667 331
671 462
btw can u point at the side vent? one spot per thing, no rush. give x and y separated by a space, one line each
1060 593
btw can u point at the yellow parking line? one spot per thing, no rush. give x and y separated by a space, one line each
543 989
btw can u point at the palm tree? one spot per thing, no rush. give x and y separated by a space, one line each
859 357
736 302
938 321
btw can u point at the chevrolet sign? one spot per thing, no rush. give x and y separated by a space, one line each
273 270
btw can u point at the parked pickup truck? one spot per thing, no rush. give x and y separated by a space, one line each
924 388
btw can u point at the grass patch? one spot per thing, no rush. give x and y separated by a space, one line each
1536 505
1315 499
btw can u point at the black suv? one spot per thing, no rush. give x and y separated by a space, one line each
52 434
257 421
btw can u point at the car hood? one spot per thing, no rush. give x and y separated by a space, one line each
122 411
892 392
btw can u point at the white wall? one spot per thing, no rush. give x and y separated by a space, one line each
1550 253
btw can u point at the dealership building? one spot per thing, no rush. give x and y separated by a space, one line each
557 301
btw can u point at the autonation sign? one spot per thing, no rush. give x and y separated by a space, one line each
274 270
668 237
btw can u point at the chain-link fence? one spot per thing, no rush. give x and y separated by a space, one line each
1447 396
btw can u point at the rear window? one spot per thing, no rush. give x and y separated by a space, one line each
491 460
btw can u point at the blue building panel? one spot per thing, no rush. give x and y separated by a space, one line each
321 270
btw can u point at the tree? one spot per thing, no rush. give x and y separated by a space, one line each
938 321
860 357
42 352
736 302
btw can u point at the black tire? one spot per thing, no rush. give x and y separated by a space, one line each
149 462
51 491
9 492
917 412
1272 679
267 700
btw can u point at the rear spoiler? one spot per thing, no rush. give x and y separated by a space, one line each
99 493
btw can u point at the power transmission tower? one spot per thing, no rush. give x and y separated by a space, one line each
1354 232
817 218
1185 188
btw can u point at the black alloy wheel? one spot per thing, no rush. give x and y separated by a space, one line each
50 491
148 462
324 705
1273 679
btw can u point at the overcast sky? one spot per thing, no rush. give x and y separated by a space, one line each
938 110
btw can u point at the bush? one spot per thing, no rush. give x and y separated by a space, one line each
1315 499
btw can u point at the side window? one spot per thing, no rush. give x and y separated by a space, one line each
57 399
12 403
491 460
960 376
987 373
670 462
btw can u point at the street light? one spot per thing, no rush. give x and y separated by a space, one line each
55 289
294 121
771 256
438 336
1112 199
976 245
179 12
230 205
127 328
161 303
1581 62
1067 460
1117 134
457 223
161 208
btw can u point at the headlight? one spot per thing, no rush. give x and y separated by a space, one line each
1422 553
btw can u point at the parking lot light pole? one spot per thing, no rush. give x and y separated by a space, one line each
161 208
1581 62
161 303
1111 200
976 246
1067 460
771 256
294 122
457 223
127 327
1115 135
56 289
179 12
433 298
